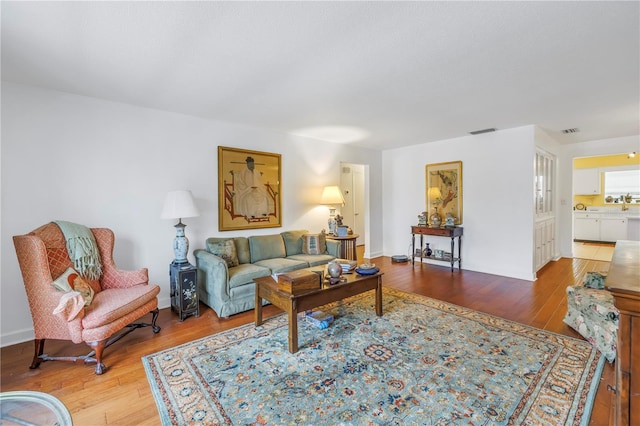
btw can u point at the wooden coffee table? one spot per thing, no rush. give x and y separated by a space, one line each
267 288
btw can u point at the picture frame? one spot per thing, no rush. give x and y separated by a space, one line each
249 189
444 190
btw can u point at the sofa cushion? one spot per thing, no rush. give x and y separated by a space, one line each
293 241
242 249
313 259
241 243
266 247
281 264
225 250
245 273
314 244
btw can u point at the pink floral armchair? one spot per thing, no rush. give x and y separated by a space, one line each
120 297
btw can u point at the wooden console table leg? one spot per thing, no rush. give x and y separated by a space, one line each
453 256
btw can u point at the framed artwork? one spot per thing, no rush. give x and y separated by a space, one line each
249 194
444 190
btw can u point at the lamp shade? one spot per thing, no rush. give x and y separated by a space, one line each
179 204
331 195
434 193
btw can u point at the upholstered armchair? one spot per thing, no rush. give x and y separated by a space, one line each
119 297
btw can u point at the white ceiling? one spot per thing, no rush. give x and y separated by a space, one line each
403 73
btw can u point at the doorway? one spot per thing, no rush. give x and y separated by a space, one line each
354 212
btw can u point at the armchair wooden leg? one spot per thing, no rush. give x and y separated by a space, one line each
154 318
98 348
39 349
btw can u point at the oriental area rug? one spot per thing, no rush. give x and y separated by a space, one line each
424 362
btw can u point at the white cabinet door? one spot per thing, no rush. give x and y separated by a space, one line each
586 181
612 230
544 243
586 228
539 232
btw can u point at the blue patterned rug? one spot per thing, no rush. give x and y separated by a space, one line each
423 362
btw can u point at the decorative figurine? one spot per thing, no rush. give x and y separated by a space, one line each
422 219
435 220
450 220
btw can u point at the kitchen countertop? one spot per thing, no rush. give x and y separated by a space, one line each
632 213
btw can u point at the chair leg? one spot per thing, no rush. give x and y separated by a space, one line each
98 348
39 349
154 318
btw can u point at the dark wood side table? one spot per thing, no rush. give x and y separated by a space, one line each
184 289
623 282
452 232
347 246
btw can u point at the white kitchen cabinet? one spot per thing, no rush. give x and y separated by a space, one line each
613 229
586 227
544 242
633 228
586 181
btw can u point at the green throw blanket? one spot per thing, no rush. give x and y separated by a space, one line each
82 248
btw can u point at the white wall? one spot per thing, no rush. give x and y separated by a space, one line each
497 172
106 164
567 154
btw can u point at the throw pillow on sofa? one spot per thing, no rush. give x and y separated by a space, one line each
314 244
226 250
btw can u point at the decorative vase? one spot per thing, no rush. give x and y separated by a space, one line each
435 219
427 250
334 269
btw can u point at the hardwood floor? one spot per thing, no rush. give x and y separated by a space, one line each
123 396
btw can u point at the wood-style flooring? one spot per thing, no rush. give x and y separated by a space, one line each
122 394
593 251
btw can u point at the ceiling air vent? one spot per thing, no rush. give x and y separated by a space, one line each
569 131
479 132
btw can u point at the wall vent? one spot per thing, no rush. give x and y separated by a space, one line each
569 131
479 132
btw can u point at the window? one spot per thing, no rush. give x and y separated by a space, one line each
622 186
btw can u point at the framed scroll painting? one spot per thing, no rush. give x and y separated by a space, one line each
444 190
249 191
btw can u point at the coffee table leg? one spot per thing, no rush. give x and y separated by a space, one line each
258 306
293 330
379 297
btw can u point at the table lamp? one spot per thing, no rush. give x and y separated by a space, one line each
179 204
435 196
332 196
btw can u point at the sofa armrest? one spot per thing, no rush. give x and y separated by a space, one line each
333 248
213 275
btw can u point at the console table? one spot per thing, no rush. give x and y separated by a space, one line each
347 246
622 281
452 232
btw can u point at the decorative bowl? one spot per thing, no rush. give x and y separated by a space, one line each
367 266
370 271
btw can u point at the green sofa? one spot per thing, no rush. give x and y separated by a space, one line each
230 289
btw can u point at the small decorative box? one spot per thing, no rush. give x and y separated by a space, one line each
301 281
343 231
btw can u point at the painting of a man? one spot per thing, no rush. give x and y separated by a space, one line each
249 189
251 198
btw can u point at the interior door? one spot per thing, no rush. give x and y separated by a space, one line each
352 184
